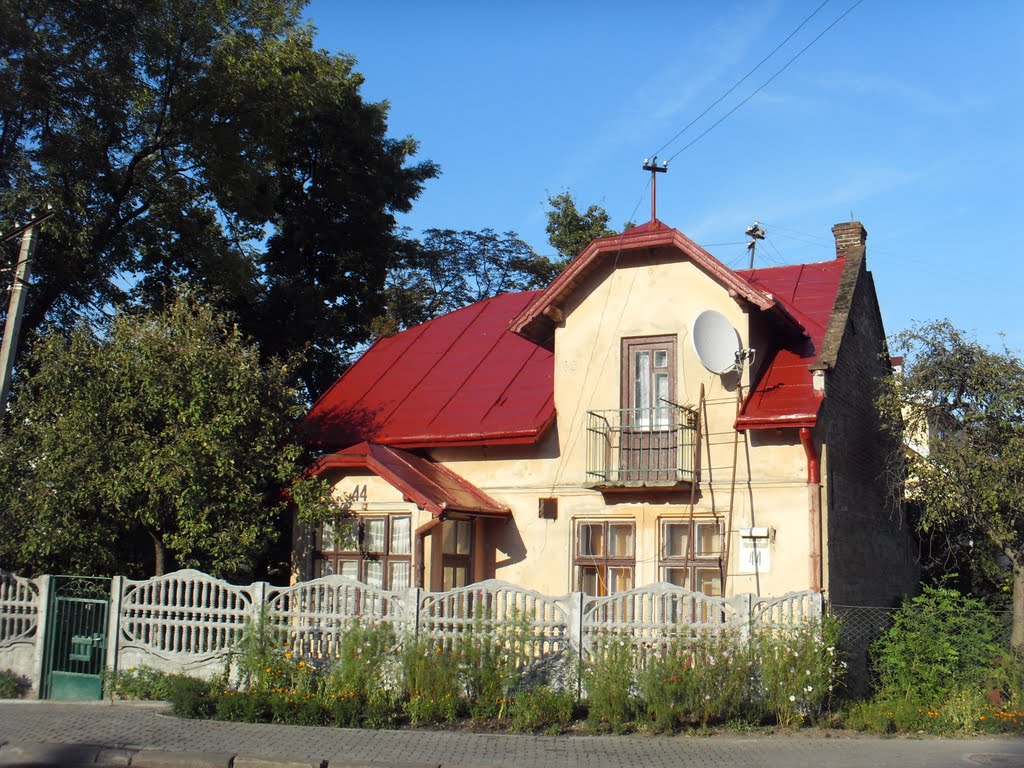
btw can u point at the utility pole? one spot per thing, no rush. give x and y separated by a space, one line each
12 328
755 233
651 164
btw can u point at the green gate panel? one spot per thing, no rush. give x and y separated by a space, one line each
70 686
76 638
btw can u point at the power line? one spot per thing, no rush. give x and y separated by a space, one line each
739 82
767 82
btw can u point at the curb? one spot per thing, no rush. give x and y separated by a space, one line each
53 755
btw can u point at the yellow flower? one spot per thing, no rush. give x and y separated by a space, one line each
288 654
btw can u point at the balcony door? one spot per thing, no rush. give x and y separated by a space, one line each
650 441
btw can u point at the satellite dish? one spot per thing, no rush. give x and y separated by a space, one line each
716 342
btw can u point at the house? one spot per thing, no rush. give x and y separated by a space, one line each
652 415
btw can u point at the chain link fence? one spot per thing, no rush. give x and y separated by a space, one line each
860 626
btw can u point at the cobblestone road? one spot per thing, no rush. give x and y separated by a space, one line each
134 726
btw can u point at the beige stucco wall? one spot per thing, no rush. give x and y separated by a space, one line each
770 489
653 297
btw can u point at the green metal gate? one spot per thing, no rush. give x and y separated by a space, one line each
76 638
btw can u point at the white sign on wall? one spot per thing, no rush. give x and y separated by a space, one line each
755 555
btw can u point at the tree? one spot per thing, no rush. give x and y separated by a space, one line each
206 142
449 269
969 476
167 434
570 231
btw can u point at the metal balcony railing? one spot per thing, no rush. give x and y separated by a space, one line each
642 446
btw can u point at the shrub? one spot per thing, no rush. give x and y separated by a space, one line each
360 687
138 683
430 683
696 681
491 661
542 708
610 682
796 670
13 685
941 643
191 697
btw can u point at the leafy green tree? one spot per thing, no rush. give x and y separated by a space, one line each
962 406
166 434
449 269
570 231
207 142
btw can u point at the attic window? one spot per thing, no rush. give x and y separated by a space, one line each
547 509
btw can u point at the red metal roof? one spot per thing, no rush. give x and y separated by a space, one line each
467 379
784 396
460 379
430 486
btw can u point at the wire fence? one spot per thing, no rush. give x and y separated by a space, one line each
862 625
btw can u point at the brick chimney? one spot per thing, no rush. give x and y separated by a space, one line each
849 234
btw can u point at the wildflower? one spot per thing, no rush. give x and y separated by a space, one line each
792 697
287 654
809 688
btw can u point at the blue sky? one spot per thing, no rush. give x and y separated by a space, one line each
907 114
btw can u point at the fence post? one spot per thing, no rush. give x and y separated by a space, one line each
745 609
258 592
45 584
417 597
114 621
574 631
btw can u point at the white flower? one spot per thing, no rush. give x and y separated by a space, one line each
792 697
809 688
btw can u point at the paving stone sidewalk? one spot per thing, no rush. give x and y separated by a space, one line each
130 732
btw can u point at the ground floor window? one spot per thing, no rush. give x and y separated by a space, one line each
376 550
605 556
691 554
456 548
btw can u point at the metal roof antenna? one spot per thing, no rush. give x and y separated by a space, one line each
755 233
651 164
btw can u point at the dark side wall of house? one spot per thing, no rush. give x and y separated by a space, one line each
872 553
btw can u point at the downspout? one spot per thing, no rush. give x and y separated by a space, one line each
419 559
814 505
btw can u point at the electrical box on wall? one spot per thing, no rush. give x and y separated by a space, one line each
547 509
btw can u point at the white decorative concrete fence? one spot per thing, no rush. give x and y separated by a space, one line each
188 621
20 634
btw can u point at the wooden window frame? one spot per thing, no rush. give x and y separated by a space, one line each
691 563
361 556
603 563
457 560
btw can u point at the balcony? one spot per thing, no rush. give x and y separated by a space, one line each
642 447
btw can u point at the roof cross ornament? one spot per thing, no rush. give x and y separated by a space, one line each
651 164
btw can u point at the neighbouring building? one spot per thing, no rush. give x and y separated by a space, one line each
652 415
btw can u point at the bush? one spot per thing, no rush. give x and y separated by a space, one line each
796 671
696 681
941 643
430 683
13 685
360 687
137 683
191 697
610 681
542 708
491 661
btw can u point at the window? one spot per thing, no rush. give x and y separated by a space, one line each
649 442
649 368
376 550
456 547
695 565
605 556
